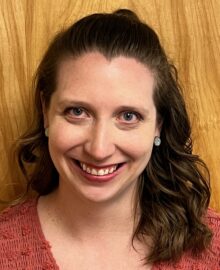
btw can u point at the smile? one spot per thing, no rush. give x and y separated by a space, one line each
97 171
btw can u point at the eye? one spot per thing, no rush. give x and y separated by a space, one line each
130 117
76 112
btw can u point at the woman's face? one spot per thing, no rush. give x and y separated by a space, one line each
102 124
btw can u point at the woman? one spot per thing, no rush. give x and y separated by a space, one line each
111 158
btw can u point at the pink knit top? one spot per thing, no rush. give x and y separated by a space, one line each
23 245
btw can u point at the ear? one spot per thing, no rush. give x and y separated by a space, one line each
44 110
158 126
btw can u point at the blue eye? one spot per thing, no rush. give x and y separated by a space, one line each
77 111
129 116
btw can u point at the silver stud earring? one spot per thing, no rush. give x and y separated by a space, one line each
46 132
157 141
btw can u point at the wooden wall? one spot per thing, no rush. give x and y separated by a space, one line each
189 30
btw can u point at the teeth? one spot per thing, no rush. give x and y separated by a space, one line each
94 172
100 172
83 166
111 170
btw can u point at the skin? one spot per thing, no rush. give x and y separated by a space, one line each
102 114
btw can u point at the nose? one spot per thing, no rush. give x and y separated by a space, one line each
100 142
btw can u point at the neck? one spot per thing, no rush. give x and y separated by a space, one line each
84 218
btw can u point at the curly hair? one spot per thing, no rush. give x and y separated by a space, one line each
173 191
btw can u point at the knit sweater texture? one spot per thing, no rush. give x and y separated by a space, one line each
23 245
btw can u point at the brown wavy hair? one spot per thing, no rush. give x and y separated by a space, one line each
173 192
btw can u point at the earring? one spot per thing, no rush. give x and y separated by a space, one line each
46 132
157 141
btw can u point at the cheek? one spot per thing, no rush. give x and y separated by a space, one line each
138 147
64 136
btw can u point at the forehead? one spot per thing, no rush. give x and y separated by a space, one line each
93 74
95 60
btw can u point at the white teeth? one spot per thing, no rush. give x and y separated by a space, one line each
94 171
101 172
111 170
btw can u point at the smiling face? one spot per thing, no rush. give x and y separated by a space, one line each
102 123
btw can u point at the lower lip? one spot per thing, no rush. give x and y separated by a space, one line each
101 178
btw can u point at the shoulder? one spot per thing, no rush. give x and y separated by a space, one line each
17 214
208 259
22 244
16 223
213 221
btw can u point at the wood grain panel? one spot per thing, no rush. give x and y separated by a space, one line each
189 31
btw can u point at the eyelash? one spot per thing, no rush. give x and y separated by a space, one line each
67 112
138 116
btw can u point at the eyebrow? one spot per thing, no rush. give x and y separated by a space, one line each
78 103
69 102
133 108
